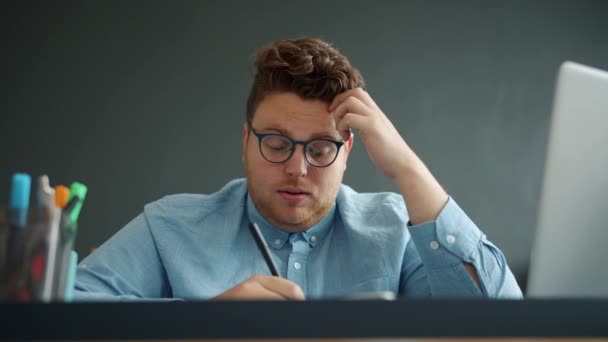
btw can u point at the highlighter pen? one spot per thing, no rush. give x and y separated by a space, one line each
20 199
18 210
51 254
71 277
42 242
65 244
50 221
263 247
62 195
78 192
46 194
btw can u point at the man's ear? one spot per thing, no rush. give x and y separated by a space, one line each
245 139
348 144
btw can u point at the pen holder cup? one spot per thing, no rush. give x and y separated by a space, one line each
33 260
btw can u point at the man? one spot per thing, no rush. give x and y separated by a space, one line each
327 239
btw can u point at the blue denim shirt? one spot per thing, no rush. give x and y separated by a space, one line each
198 246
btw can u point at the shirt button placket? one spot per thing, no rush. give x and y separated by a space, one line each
296 271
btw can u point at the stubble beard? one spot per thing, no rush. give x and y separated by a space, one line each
290 218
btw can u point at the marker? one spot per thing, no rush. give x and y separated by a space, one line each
71 277
80 190
263 247
20 199
62 195
18 209
67 232
50 220
46 194
41 245
69 224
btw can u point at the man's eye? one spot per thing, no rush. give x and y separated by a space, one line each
277 144
279 147
319 150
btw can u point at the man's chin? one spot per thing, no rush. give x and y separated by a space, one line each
293 221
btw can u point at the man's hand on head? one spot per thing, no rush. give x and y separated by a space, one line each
262 287
356 110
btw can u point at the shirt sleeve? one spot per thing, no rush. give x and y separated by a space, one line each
452 239
126 267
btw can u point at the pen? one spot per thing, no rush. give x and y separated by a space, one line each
20 199
263 247
44 261
42 243
71 277
46 194
69 224
19 204
18 209
67 233
62 195
80 190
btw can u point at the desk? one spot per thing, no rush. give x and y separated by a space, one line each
413 339
409 320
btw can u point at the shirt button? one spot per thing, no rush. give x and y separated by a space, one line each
297 265
434 245
277 242
313 238
450 239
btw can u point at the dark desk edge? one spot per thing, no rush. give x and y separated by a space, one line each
313 319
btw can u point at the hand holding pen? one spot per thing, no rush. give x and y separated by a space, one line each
263 287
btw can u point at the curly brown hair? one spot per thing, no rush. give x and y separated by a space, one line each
308 67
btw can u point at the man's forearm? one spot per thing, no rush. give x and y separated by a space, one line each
425 198
423 195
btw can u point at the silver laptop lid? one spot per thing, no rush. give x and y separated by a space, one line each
570 253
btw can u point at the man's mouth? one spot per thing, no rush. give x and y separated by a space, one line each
293 191
293 195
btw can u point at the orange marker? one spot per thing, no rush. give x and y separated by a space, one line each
62 194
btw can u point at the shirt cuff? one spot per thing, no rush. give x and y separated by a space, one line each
450 239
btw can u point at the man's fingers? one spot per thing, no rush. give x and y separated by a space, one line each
350 120
264 287
350 105
355 108
280 286
359 93
346 134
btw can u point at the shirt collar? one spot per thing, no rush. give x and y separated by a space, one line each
276 237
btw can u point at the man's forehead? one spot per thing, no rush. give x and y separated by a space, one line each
310 125
286 112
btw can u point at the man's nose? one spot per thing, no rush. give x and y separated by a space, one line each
297 166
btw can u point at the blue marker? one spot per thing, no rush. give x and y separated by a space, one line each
18 208
20 199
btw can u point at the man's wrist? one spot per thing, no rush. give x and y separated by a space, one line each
423 195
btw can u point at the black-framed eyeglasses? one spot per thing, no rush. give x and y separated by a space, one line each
278 148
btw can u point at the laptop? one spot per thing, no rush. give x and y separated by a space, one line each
570 252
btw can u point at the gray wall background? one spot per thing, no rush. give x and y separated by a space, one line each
143 99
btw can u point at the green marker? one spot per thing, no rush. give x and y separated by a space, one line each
69 224
71 277
80 190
